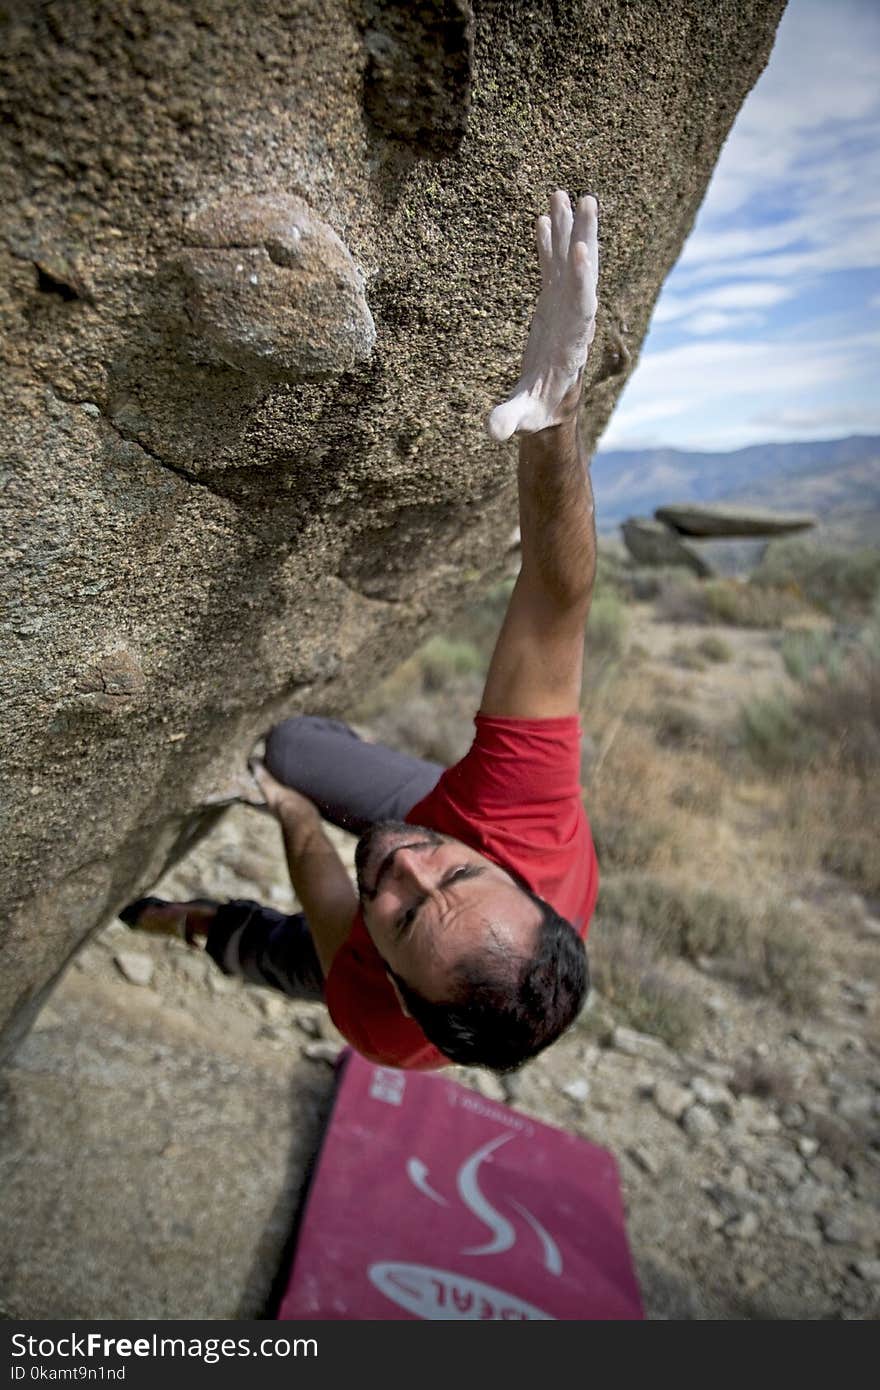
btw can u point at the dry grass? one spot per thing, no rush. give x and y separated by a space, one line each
714 648
828 820
761 949
688 657
833 720
628 970
838 581
734 602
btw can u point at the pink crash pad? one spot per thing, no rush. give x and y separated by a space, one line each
430 1202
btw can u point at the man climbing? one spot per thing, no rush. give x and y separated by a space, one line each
475 885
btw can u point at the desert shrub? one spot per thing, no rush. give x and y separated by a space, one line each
426 726
627 842
613 574
679 598
477 624
627 970
845 711
607 626
679 920
761 949
774 734
443 658
734 602
788 960
804 651
836 714
690 658
742 604
837 580
714 648
828 820
676 725
853 851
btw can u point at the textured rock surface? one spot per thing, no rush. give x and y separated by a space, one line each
193 546
710 521
651 543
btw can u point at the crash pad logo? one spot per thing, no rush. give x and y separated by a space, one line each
439 1295
503 1234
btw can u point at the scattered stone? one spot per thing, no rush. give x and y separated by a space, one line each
137 969
644 1158
308 1024
512 1085
738 1178
643 1045
323 1051
756 1118
271 1032
273 1007
114 933
742 1227
578 1090
841 1228
671 1099
809 1196
707 1066
191 966
713 1094
826 1172
787 1167
793 1115
869 1270
808 1147
489 1085
698 1122
855 1106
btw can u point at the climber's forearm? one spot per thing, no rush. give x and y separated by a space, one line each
557 522
319 877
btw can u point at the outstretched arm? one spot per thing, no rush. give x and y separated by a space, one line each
319 877
537 667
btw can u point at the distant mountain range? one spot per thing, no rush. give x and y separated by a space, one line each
838 479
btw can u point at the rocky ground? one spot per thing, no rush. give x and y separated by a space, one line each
159 1121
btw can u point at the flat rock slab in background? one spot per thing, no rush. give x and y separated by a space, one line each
652 543
712 521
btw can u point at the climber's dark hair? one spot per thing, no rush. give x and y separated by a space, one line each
507 1009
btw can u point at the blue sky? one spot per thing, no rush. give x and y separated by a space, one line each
768 328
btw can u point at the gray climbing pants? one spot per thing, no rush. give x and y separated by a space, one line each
354 784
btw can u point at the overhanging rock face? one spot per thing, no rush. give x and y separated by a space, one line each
264 270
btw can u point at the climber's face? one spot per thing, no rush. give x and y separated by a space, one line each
428 901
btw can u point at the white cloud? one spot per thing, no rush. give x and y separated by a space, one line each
756 294
739 388
795 197
823 72
712 321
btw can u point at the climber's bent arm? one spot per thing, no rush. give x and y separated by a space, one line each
319 877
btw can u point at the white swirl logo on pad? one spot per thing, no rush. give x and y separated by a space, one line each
439 1295
503 1235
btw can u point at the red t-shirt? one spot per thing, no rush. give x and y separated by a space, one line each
516 798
